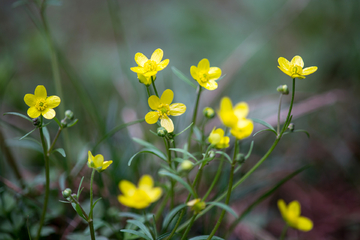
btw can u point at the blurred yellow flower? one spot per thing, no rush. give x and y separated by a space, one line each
206 75
163 108
149 67
41 104
235 118
98 162
291 215
217 138
295 68
140 197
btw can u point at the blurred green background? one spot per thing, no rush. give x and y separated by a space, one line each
96 42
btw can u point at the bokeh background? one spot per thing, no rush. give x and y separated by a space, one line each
96 42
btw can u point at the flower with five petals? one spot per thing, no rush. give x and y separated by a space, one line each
149 67
217 138
141 196
295 68
98 162
41 104
291 215
163 108
206 75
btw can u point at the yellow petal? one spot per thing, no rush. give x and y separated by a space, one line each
150 74
214 138
285 71
226 113
33 112
49 113
194 72
309 70
204 65
151 117
167 96
282 207
30 99
210 85
224 143
293 210
140 59
154 193
90 157
138 69
162 65
304 224
143 79
53 101
284 63
241 110
127 188
214 73
106 164
167 123
220 132
154 102
98 160
177 109
157 55
297 60
40 92
243 129
146 182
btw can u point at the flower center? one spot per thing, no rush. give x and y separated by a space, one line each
296 70
203 77
41 104
150 66
164 109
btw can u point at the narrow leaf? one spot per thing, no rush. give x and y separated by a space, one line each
170 216
137 233
178 179
162 236
57 121
180 75
61 151
79 189
19 115
142 227
206 237
72 123
155 152
27 134
225 155
304 131
184 130
144 143
250 150
47 137
225 207
184 152
263 130
263 123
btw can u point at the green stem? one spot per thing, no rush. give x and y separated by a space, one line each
283 233
215 179
290 108
189 226
177 223
167 146
278 122
47 184
90 220
54 141
194 114
162 206
153 84
148 91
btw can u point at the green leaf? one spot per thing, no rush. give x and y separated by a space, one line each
142 227
250 150
184 152
206 237
93 206
156 152
184 130
47 137
180 75
61 151
144 143
225 155
130 215
220 78
19 115
28 143
137 233
170 216
225 207
263 130
27 134
77 208
304 131
72 123
79 189
57 121
263 123
178 179
162 236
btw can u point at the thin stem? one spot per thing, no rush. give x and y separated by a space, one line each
215 179
162 206
54 141
278 122
177 223
167 146
283 233
47 184
194 114
90 220
290 108
189 226
148 91
153 84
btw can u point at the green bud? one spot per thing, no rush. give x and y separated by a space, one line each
211 154
36 122
291 127
161 132
69 114
240 157
283 89
186 165
209 112
63 123
66 193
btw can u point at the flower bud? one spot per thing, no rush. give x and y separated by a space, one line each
291 127
211 154
186 165
69 114
161 132
66 193
283 89
240 157
36 121
209 112
63 123
196 205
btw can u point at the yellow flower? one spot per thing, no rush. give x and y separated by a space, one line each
149 67
217 138
145 80
295 68
235 118
163 108
98 162
140 197
41 104
291 215
206 75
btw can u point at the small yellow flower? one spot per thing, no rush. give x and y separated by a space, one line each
149 67
235 118
163 108
41 104
291 215
295 68
196 205
217 138
140 197
206 75
145 80
98 162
